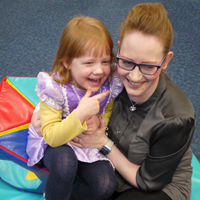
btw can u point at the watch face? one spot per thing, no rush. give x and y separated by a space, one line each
104 151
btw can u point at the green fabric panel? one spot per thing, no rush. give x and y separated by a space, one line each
16 175
9 193
195 195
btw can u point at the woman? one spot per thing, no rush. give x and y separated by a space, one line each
153 120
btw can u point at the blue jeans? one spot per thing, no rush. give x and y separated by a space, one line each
97 180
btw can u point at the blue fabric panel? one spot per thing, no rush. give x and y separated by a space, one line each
13 148
16 142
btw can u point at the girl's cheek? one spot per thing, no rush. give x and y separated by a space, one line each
86 72
107 70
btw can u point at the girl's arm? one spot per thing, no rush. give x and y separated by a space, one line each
57 131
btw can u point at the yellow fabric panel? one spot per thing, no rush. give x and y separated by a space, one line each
15 129
31 176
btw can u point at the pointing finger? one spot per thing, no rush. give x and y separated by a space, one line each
102 95
88 92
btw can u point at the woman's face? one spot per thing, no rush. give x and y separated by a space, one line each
141 49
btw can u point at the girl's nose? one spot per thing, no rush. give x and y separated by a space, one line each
98 69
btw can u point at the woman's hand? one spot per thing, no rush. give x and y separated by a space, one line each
92 124
94 140
36 123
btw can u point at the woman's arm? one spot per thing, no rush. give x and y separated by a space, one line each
97 140
127 169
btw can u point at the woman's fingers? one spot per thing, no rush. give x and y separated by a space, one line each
76 144
102 125
76 139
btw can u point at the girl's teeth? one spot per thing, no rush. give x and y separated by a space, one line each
94 80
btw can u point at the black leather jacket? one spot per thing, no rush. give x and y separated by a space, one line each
155 136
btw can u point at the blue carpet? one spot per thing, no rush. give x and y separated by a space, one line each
30 31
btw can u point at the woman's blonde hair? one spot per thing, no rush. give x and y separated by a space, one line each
150 18
80 35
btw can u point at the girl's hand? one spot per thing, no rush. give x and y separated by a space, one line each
36 123
92 124
95 140
89 106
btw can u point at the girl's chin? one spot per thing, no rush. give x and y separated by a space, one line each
94 89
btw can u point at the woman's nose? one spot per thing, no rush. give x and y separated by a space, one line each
135 74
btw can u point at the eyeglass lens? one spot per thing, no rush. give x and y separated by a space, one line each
145 69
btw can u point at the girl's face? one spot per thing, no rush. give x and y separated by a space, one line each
89 70
141 49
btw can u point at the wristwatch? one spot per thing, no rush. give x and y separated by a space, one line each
105 150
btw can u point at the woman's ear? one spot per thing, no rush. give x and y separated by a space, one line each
168 58
118 44
118 47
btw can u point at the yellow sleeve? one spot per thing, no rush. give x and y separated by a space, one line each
57 131
108 111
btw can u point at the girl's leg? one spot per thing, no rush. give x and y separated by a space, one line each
135 193
98 181
62 165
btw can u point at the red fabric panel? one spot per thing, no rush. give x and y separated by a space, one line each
14 109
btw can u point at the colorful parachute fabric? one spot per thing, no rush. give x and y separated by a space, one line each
17 103
18 181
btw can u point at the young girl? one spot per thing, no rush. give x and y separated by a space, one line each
78 89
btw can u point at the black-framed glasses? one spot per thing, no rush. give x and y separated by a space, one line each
146 69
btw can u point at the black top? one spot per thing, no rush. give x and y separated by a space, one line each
156 135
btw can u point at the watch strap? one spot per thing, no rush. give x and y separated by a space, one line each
105 150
